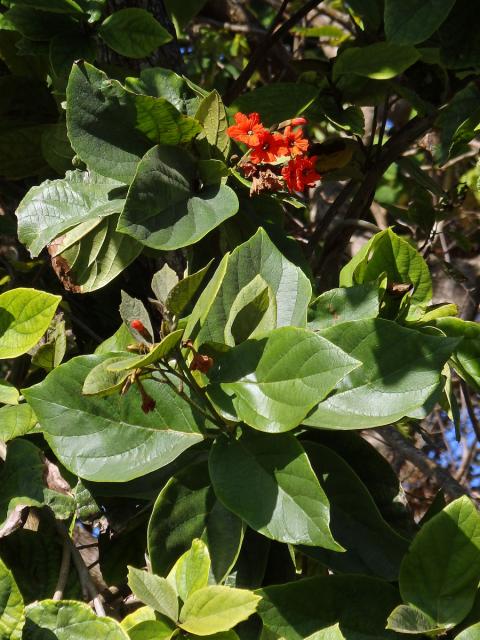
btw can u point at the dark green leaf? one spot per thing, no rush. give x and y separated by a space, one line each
342 304
111 439
278 101
162 123
413 21
187 508
167 208
133 32
400 373
380 61
293 507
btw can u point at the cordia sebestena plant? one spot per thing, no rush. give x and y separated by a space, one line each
215 436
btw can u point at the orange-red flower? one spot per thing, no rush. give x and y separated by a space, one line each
268 149
248 129
295 143
300 173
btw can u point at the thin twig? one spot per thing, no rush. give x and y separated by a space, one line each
271 37
64 571
89 589
470 410
229 26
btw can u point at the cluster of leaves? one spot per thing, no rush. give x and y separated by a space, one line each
214 437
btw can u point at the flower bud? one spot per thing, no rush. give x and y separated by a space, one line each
137 325
298 121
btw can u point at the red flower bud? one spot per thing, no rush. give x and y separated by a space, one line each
148 404
298 121
137 325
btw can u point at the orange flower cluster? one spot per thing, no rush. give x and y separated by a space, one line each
269 146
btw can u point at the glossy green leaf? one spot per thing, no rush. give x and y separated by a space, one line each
154 591
119 341
180 295
409 619
372 547
101 118
58 205
133 32
53 6
185 509
12 616
217 608
401 372
25 315
8 393
379 61
190 572
166 206
413 21
471 633
68 620
342 304
212 116
441 571
90 256
253 312
277 101
158 352
388 253
16 421
111 439
143 614
102 380
359 605
466 357
293 506
279 377
162 123
257 256
22 483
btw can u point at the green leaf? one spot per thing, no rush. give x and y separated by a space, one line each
258 256
441 571
359 605
25 315
166 206
372 547
380 61
190 572
134 33
53 6
118 342
65 49
466 357
158 352
414 21
162 83
277 101
8 393
22 484
370 11
154 591
401 372
56 148
184 11
217 608
459 45
102 381
16 421
92 254
12 616
185 509
134 309
390 254
212 116
163 282
144 614
180 295
253 312
293 507
471 633
162 123
51 354
279 377
110 439
408 619
101 119
343 304
152 630
56 206
68 620
21 150
463 104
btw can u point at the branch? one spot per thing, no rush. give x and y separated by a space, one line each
470 410
271 37
405 448
64 571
